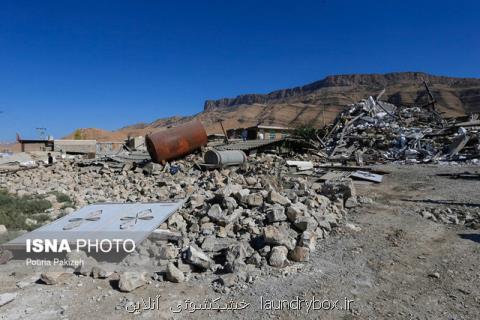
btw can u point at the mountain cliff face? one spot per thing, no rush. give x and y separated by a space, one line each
405 88
319 102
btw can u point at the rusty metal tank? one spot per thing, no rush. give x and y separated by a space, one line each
176 142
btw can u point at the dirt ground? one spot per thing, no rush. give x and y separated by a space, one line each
396 265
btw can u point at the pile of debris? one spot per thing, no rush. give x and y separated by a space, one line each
373 131
237 222
452 214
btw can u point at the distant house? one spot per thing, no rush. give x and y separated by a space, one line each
29 145
260 132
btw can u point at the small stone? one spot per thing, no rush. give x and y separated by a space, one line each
197 201
276 214
351 202
198 258
51 278
5 256
242 195
308 239
99 273
305 224
131 280
275 236
167 252
434 275
300 254
3 229
255 259
173 274
353 227
278 257
228 280
255 200
275 197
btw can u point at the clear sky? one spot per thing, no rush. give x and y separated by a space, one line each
107 64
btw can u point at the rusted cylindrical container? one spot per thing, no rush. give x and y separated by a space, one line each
176 142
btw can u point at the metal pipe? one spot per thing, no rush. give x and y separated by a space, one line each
225 158
176 142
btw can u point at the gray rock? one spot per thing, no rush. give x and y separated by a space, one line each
255 200
278 257
3 229
275 236
99 273
242 195
197 201
228 280
275 197
308 239
299 254
351 202
173 274
230 204
255 259
131 280
198 258
305 224
276 214
51 278
223 217
167 252
214 244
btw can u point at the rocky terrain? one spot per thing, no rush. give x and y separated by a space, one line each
381 250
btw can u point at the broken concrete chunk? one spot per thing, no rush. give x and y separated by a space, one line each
198 258
222 217
275 236
173 274
52 278
308 239
276 214
351 202
305 224
278 257
299 254
275 197
99 273
255 200
167 252
214 244
131 280
242 195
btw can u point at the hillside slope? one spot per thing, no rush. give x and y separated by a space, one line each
319 102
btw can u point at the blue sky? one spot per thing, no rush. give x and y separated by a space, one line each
107 64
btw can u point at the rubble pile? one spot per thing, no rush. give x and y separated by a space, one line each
236 223
376 132
457 215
